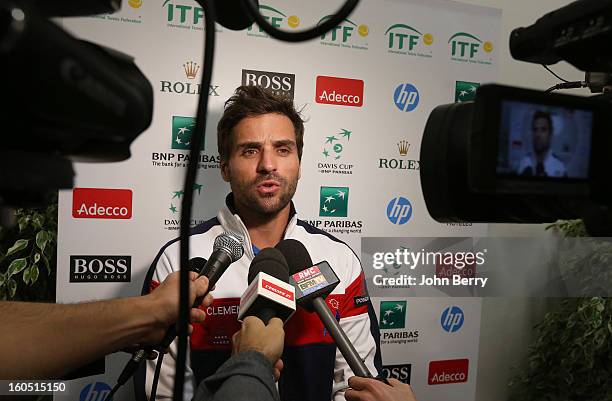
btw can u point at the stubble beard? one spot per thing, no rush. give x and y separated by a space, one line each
267 205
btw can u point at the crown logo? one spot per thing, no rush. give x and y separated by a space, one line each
403 147
191 69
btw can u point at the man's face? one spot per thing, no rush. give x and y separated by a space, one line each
263 166
541 135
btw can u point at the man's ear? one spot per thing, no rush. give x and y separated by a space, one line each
224 167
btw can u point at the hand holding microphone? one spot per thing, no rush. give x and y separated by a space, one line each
165 303
312 284
364 389
226 250
268 301
268 340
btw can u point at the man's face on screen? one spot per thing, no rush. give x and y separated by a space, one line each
541 135
263 167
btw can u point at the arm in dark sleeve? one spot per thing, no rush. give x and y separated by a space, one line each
244 377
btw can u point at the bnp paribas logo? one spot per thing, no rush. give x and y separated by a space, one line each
392 315
465 91
182 130
467 48
276 18
347 35
181 133
408 41
189 83
333 201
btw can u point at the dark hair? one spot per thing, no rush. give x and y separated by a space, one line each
251 101
545 115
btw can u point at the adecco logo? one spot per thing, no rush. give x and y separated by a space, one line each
101 203
447 372
339 91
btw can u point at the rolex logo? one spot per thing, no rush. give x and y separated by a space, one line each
191 69
403 147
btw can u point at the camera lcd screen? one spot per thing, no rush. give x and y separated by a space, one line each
544 142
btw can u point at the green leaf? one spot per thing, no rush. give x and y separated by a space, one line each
16 266
41 239
12 288
26 275
38 220
36 257
18 246
33 274
44 258
23 223
3 277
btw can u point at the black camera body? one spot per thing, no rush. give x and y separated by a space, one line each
478 163
517 155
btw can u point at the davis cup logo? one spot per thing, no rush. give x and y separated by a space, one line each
101 203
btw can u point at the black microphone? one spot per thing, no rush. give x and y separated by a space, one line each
312 284
227 249
269 293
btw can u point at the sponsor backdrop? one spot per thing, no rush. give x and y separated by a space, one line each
366 89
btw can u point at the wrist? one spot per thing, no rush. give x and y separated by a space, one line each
158 319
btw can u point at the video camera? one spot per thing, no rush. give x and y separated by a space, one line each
65 99
525 156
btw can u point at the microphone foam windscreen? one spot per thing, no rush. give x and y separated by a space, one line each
296 255
270 261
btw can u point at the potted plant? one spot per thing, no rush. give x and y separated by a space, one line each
571 357
28 255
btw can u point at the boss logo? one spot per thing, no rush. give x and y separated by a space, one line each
399 372
100 269
280 83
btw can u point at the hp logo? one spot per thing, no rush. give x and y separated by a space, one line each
452 319
95 392
399 210
406 97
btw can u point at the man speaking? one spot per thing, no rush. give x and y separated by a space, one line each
260 141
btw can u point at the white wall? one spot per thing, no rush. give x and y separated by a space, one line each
506 326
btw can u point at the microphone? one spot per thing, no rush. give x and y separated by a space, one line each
227 249
312 284
269 293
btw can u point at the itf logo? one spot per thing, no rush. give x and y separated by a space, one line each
95 392
406 97
399 210
333 201
392 315
452 319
